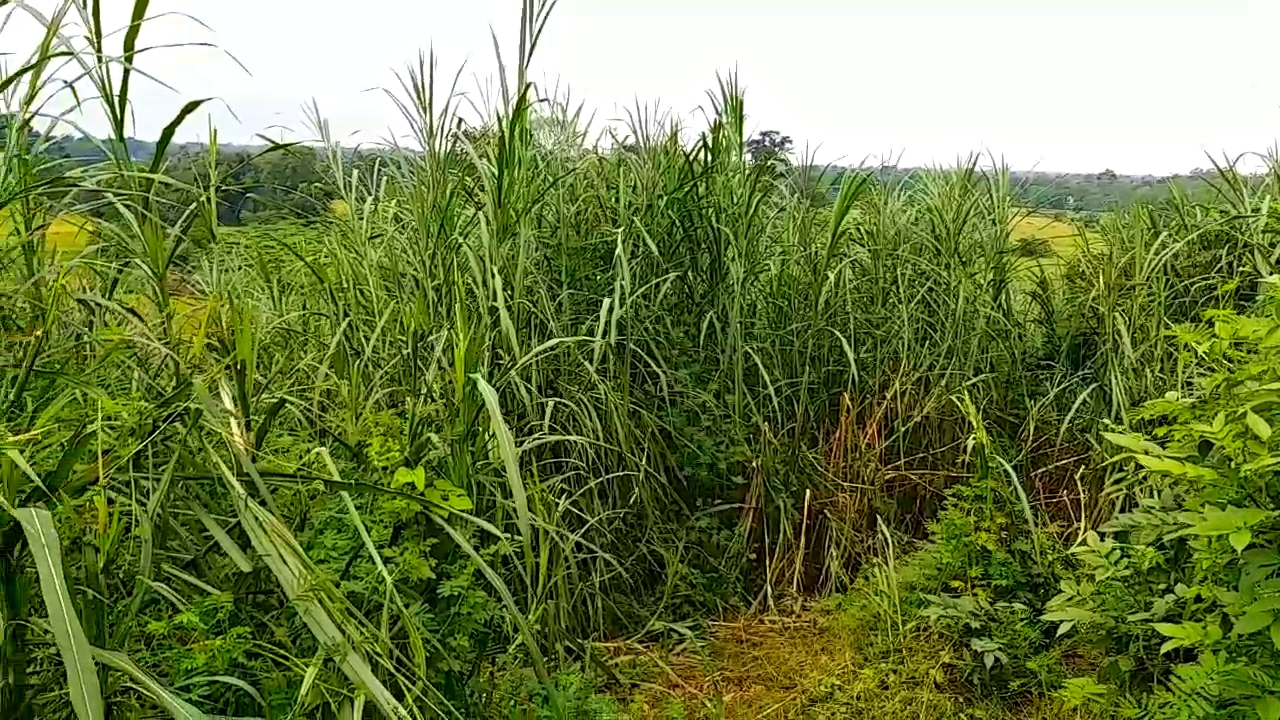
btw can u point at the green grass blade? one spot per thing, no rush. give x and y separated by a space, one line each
166 136
224 540
225 680
510 459
177 708
73 645
138 16
410 623
310 594
508 600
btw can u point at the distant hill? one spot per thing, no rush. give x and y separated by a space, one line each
1078 192
87 150
1096 192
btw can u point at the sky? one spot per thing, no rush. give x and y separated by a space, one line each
1138 86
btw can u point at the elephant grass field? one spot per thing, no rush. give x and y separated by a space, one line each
533 421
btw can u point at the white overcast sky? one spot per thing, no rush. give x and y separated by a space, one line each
1065 85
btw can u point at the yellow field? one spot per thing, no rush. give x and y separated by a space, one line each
1063 237
70 234
66 235
191 313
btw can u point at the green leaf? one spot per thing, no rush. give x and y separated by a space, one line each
1240 539
21 462
1175 467
1221 522
416 477
1268 707
435 497
130 51
1261 463
447 495
1083 690
1071 614
1271 602
73 645
1180 631
1187 634
166 135
453 496
1275 634
1133 443
1252 622
1257 425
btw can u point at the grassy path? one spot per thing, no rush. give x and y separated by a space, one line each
813 665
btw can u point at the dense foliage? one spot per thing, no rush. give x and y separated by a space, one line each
507 393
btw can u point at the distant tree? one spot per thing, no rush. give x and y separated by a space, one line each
10 122
192 171
290 182
284 182
235 183
769 146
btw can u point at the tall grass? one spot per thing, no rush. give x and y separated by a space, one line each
529 391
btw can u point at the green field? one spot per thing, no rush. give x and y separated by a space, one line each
515 424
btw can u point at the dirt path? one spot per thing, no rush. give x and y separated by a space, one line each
814 665
769 667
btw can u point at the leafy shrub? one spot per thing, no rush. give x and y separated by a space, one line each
986 565
519 696
978 582
1180 592
1005 650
